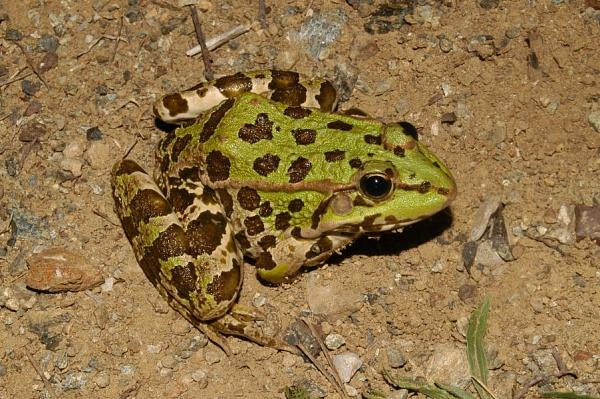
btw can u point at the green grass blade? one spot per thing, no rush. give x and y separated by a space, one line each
479 340
476 356
296 393
454 390
568 395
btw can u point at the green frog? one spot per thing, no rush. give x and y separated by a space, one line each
262 169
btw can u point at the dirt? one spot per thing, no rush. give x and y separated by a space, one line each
502 91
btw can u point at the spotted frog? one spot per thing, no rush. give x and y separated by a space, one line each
263 169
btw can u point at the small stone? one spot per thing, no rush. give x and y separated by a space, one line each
594 120
57 269
467 292
93 133
181 327
587 222
201 377
259 300
449 118
289 360
12 304
169 362
350 390
334 341
98 155
446 44
537 304
438 266
32 131
73 150
197 342
154 349
48 43
212 357
319 296
449 364
489 4
395 358
13 35
62 361
347 364
29 87
513 32
102 380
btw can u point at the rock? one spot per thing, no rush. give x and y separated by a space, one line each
201 378
594 120
346 364
587 222
102 380
73 150
72 165
319 296
448 364
334 341
57 270
395 358
98 155
482 217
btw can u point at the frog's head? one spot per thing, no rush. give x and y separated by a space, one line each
400 183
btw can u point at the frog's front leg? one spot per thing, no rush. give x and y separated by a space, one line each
289 255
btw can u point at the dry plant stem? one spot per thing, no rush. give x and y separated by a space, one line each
16 79
550 243
105 217
114 54
219 40
562 371
164 4
95 42
47 384
208 72
484 386
262 14
323 371
562 368
324 350
528 386
32 65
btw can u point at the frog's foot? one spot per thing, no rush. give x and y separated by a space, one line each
253 325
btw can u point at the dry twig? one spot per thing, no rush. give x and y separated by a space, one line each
262 14
40 374
114 54
219 40
208 72
32 65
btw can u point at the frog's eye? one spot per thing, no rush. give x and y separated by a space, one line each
376 186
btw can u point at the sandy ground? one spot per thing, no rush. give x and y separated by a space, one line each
502 91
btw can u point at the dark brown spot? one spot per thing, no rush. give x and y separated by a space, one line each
234 85
184 278
261 130
353 112
213 120
226 201
297 232
209 196
368 221
190 174
326 97
399 151
248 198
201 92
320 211
443 191
217 166
299 169
254 225
372 139
335 155
355 163
295 205
147 204
242 240
180 199
283 79
339 125
424 187
267 242
266 164
127 167
360 201
175 104
297 112
294 95
391 219
170 243
265 209
167 140
410 130
164 164
323 245
304 136
205 233
180 145
282 220
437 165
225 286
259 76
265 261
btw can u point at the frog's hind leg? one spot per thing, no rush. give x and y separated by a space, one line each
191 263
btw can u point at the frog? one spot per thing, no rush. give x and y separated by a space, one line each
263 170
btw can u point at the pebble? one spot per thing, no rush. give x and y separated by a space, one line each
197 342
29 87
350 390
319 298
395 358
201 377
48 43
57 269
446 44
587 222
98 155
72 165
482 217
334 341
438 266
594 120
212 357
102 380
93 134
449 364
347 364
13 35
73 150
169 362
259 300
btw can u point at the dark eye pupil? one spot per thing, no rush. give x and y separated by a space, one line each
375 186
